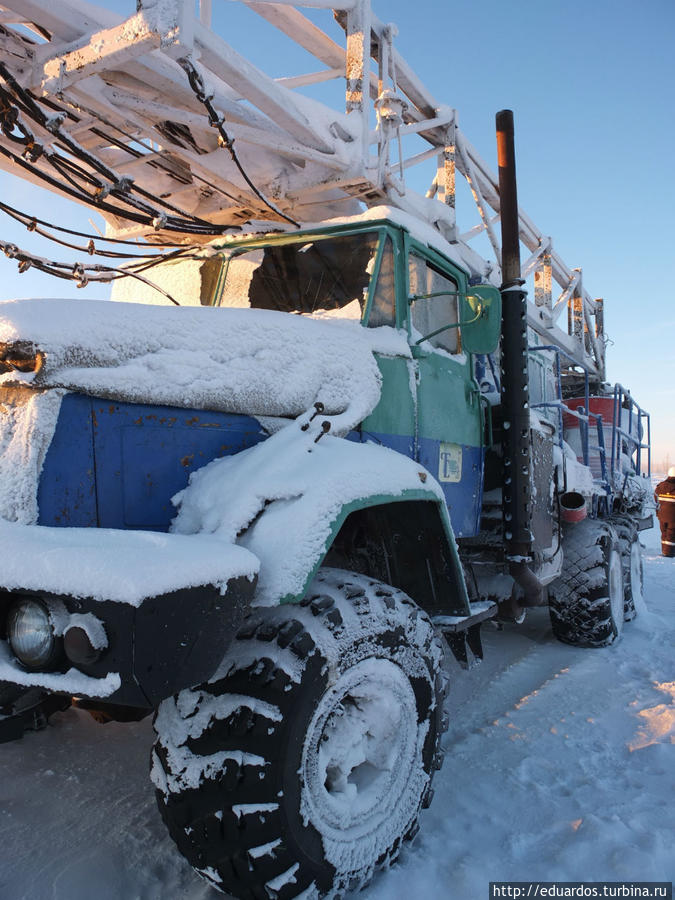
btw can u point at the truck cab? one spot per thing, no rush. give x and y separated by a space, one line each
379 274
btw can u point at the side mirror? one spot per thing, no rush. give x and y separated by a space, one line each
481 317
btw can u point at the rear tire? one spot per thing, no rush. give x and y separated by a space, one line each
305 763
586 603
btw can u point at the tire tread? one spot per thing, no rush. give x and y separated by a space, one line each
203 821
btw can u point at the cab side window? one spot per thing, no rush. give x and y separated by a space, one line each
432 313
383 308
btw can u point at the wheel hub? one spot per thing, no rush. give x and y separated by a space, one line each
615 585
636 573
361 749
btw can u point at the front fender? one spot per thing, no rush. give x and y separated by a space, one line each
302 498
406 541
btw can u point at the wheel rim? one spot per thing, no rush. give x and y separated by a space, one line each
362 766
636 573
615 584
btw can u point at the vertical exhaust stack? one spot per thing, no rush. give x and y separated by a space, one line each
516 442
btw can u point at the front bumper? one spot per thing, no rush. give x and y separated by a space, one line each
153 645
167 643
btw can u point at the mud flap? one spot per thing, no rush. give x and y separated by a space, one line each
463 633
466 646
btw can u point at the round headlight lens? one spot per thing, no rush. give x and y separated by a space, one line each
30 633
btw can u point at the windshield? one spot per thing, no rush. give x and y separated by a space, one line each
328 276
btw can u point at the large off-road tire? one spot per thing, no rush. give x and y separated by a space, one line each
300 769
633 564
586 602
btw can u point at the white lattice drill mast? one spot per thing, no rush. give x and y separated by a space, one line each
173 135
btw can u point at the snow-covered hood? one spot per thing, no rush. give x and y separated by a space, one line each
255 362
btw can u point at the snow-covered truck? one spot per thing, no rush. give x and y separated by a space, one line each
264 513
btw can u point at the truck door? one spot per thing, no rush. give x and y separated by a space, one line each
449 414
392 422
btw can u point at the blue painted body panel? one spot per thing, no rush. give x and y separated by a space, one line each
67 489
464 497
117 465
401 443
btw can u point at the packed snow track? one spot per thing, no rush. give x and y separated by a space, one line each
558 766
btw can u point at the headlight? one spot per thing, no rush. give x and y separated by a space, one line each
30 634
84 645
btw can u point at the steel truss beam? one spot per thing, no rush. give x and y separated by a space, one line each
127 100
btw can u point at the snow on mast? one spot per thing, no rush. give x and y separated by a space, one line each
173 135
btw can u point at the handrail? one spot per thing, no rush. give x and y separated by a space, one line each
619 397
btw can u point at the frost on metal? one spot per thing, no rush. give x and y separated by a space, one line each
133 101
27 424
71 682
362 768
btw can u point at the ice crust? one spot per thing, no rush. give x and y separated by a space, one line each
574 746
421 229
375 744
92 627
257 362
26 430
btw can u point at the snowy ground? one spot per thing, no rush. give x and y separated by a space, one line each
559 766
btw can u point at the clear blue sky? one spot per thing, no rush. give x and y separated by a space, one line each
591 85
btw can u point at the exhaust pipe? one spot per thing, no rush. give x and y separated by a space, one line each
572 507
516 441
